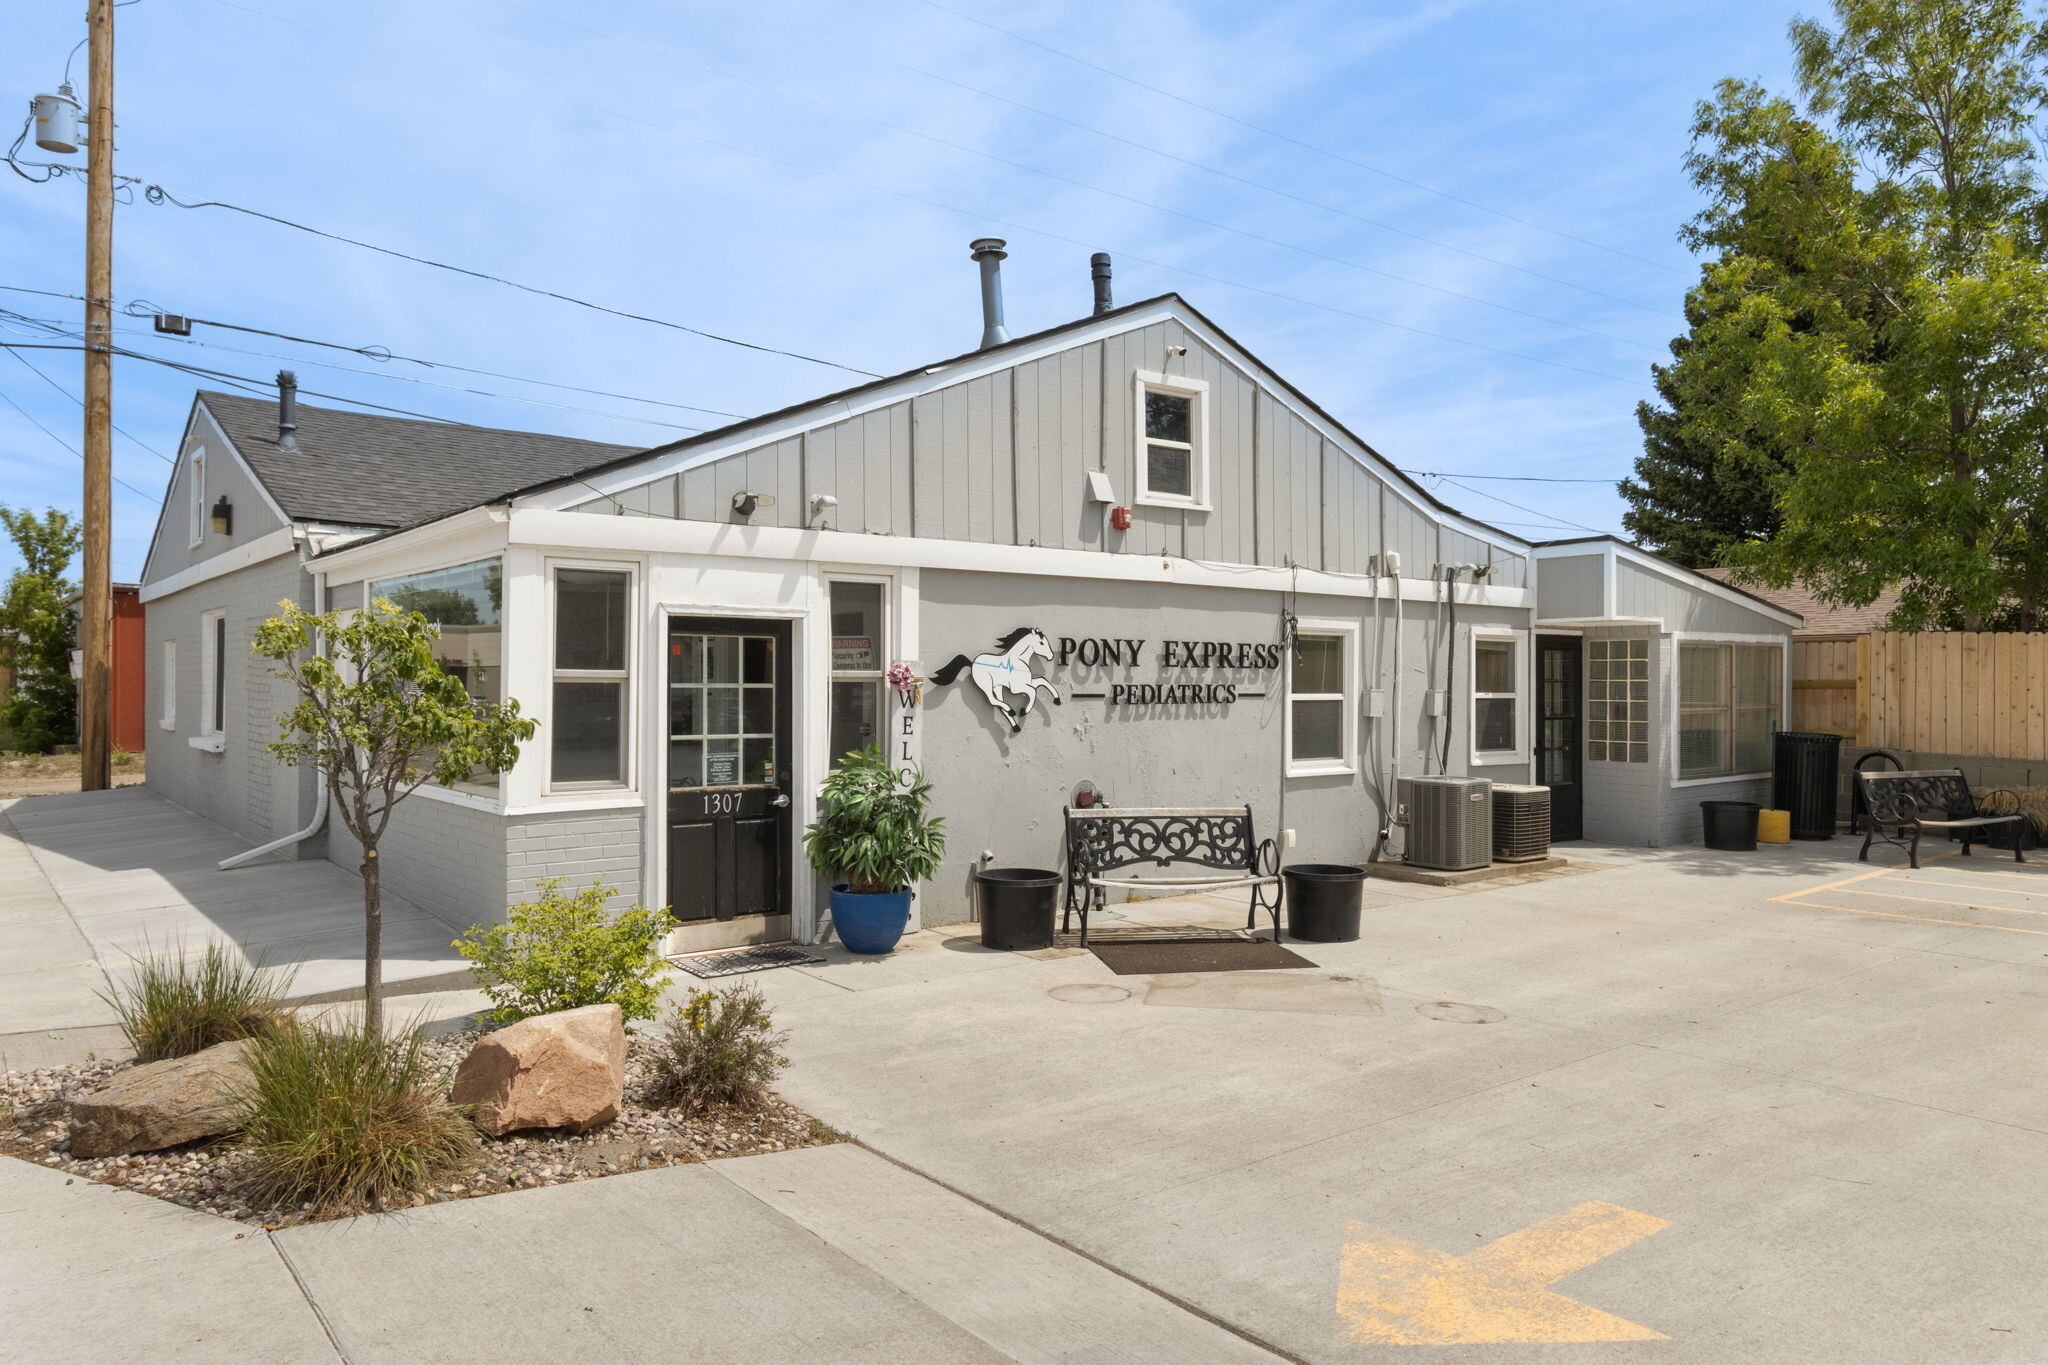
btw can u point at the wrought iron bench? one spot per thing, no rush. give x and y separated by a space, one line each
1102 842
1904 805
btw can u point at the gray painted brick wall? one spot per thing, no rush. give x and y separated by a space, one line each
241 787
579 845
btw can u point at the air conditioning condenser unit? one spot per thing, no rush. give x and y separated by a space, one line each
1521 822
1450 821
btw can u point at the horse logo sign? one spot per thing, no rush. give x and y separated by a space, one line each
1006 672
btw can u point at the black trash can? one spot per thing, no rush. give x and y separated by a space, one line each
1805 773
1730 825
1017 905
1323 901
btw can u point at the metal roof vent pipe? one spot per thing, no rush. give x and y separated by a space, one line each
1098 270
989 254
287 410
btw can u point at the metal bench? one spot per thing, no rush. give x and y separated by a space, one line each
1903 805
1102 841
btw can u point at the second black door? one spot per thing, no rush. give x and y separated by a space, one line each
728 768
1559 687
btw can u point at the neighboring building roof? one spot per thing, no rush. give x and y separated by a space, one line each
1821 618
365 469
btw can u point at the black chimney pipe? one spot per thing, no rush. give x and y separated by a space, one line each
287 410
1098 269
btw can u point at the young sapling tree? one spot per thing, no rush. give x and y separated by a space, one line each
378 718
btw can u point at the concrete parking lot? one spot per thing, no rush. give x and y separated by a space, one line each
1700 1106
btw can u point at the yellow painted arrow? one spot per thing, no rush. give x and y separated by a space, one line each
1394 1292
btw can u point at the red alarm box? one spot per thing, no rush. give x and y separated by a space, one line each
1120 517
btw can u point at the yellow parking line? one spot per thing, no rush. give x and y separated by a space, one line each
2041 876
1851 881
1979 887
1937 900
1922 919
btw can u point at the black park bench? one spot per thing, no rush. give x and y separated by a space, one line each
1103 842
1903 805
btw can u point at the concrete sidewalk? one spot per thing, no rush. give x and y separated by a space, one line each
96 880
828 1253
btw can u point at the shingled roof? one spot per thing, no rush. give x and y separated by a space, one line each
1821 617
366 469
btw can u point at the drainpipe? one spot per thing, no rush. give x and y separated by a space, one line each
319 787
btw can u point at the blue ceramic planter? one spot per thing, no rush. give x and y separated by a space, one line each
870 923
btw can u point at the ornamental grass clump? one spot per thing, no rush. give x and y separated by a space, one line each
347 1119
719 1048
564 952
175 1005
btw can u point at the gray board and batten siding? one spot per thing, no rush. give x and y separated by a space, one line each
1573 587
224 474
1003 458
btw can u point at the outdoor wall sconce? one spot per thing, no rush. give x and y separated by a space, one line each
223 516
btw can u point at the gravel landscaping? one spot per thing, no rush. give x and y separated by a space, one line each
210 1176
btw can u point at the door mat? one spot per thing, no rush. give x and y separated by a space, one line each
1107 934
1213 955
708 965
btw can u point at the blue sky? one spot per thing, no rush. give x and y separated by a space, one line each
808 175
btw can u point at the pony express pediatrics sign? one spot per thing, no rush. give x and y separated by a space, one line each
1006 671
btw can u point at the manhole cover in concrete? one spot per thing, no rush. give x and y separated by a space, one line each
1451 1012
1089 993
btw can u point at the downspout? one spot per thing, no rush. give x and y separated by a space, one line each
319 787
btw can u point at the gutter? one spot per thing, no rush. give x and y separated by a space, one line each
319 788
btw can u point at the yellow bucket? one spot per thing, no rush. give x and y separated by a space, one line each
1774 827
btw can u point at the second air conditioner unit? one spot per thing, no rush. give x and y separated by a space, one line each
1450 821
1521 823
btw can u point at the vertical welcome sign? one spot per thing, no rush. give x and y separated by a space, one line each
906 726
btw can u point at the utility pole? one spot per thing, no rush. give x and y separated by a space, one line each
95 765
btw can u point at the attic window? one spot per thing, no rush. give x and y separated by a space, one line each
195 479
1172 442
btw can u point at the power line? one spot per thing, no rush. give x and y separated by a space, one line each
1298 142
1503 478
1560 522
81 403
872 54
72 449
1103 190
157 194
985 219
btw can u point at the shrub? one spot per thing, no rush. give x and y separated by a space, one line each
872 829
718 1049
562 952
347 1119
174 1005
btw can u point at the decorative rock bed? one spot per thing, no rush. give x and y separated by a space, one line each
209 1175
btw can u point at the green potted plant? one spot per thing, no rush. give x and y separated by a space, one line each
875 838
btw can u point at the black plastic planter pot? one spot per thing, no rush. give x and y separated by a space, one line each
1730 825
1323 901
1017 905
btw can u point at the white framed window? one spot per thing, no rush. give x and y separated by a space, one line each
1322 699
860 654
1172 441
590 722
213 681
1496 718
167 714
465 603
1730 699
195 502
1618 700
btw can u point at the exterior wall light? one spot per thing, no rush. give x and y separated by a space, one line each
223 519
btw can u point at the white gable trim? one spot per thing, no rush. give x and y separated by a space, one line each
614 481
281 541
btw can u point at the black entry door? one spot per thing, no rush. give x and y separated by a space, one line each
1559 678
728 768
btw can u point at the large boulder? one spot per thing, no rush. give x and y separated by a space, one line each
161 1104
565 1070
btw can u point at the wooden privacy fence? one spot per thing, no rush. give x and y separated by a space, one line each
1940 692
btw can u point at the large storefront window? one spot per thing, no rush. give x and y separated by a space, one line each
592 650
1728 705
859 638
466 603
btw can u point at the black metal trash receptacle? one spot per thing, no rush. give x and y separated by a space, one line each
1805 775
1017 905
1323 901
1730 825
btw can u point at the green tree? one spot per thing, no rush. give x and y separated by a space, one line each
1870 333
377 718
39 629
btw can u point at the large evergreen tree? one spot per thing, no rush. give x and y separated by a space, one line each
1870 332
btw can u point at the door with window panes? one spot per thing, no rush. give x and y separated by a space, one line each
729 827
